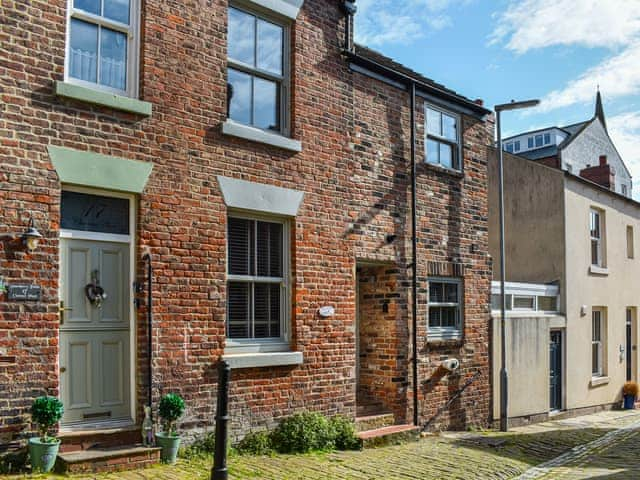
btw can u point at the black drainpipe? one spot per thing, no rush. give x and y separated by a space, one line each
414 248
147 258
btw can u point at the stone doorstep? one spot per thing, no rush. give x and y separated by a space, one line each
371 422
393 434
129 457
75 441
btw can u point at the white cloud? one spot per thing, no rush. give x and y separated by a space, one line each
381 22
533 24
625 133
617 76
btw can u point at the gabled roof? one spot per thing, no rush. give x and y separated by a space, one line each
386 62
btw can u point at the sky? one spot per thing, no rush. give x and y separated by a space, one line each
556 50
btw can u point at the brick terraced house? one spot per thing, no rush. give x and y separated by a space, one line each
265 168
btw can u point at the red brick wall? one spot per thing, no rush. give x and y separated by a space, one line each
354 172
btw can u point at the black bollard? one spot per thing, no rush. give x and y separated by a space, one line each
219 470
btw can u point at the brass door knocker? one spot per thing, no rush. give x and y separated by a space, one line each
94 292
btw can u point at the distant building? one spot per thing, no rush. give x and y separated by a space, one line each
571 291
584 148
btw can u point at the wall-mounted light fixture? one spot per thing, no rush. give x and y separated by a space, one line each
31 238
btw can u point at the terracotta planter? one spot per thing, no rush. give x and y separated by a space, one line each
43 454
170 445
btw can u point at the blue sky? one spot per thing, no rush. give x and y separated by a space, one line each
498 50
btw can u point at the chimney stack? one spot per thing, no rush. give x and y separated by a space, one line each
602 174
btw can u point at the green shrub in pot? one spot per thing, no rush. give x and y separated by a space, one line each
170 409
43 450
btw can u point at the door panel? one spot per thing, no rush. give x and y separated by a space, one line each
94 341
79 369
78 263
112 268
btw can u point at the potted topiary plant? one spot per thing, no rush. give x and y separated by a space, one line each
630 393
170 409
43 450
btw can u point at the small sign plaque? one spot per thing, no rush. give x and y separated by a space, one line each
23 293
326 311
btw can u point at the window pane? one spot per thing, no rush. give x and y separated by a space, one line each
117 10
530 142
434 316
451 292
265 104
517 146
523 302
433 151
446 155
241 39
94 213
434 122
238 310
595 224
547 139
595 361
83 63
91 6
436 292
509 147
547 304
595 252
596 332
269 249
538 140
240 246
448 316
266 310
240 108
113 59
449 128
269 48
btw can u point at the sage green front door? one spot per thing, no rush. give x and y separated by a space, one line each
94 336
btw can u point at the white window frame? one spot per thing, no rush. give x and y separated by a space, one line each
456 146
598 314
445 333
534 303
133 47
257 345
600 261
284 80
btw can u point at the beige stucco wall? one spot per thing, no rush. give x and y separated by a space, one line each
616 291
527 341
534 221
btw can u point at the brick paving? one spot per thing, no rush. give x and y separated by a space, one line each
604 445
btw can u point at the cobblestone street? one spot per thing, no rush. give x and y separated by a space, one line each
602 445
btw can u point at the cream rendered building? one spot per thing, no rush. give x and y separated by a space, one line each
578 240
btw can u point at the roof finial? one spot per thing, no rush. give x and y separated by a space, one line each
600 109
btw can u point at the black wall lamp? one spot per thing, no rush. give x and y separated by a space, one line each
31 238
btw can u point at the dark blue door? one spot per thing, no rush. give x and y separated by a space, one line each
555 371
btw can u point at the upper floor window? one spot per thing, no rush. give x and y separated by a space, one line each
595 229
516 146
257 73
624 190
547 138
102 45
538 140
257 259
445 308
509 147
530 142
442 138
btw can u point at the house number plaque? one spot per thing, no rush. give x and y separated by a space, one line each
23 293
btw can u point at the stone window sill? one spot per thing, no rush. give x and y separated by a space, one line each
595 270
105 99
256 360
440 169
597 381
253 134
